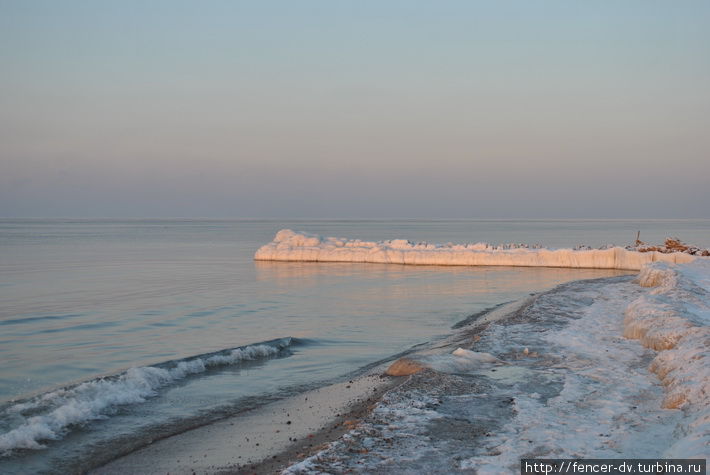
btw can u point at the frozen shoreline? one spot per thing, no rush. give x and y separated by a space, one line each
556 375
297 246
559 379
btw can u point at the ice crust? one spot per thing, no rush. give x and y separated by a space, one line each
51 415
673 318
289 245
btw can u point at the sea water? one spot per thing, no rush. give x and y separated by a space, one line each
117 332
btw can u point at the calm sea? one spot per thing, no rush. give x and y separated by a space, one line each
208 331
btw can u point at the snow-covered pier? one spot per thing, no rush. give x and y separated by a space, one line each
297 246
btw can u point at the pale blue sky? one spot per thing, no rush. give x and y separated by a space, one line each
371 109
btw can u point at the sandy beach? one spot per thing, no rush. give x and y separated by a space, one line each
274 436
264 439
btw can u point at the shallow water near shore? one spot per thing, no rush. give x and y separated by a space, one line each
209 332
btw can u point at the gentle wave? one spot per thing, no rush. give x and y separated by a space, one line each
51 415
40 319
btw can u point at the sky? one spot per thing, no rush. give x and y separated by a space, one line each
355 109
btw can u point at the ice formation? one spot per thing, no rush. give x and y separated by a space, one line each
297 246
673 318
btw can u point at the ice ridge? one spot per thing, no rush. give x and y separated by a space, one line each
289 245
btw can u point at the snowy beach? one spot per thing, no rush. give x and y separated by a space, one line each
609 368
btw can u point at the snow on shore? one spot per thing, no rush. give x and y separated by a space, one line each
297 246
673 318
575 383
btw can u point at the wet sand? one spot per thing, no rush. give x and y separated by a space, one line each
264 439
272 437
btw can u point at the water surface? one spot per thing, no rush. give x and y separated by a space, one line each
82 299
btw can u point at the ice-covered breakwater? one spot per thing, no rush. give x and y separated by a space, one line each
298 246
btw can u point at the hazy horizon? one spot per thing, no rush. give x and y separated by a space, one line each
330 219
355 110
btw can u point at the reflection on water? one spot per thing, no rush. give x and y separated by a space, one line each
388 284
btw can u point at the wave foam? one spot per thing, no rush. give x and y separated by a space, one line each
55 412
